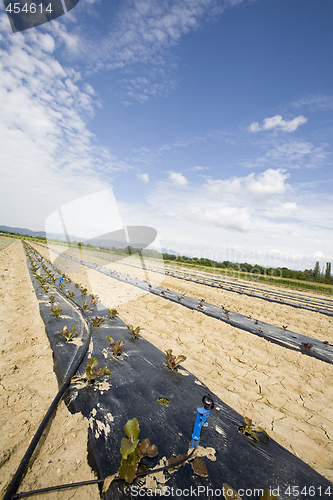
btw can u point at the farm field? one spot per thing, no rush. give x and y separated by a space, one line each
27 388
285 392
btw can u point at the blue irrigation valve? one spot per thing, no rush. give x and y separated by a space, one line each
202 415
60 280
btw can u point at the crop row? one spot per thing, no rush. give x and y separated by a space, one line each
280 335
294 299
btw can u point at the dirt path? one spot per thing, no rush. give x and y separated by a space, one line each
28 386
290 395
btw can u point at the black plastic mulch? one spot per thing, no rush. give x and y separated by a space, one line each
138 380
286 338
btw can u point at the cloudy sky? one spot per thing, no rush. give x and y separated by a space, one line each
208 120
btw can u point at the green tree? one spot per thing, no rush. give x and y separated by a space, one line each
328 272
316 271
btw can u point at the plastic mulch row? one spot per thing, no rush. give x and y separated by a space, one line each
286 338
139 378
309 303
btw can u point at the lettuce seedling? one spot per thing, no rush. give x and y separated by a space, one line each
249 430
307 346
86 307
56 311
83 290
173 362
92 372
68 334
132 452
134 331
93 299
70 294
117 347
112 312
96 321
51 298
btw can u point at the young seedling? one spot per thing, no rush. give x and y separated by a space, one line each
134 331
93 299
96 321
284 327
86 307
68 334
92 372
112 312
51 299
56 311
70 294
173 362
83 291
76 285
307 346
132 451
117 347
249 430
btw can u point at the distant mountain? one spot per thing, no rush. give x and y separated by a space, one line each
171 252
24 231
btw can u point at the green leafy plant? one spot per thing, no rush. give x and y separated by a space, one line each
132 452
93 298
76 285
134 331
56 310
96 321
117 347
173 362
92 372
83 290
112 312
250 430
70 294
68 334
86 307
307 346
51 298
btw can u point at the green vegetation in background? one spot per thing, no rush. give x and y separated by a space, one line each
314 280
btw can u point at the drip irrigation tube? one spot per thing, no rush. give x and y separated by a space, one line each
316 304
25 494
25 460
164 403
286 338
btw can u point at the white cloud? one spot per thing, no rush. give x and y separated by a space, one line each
283 211
177 179
290 154
277 122
260 186
234 218
314 102
144 178
48 155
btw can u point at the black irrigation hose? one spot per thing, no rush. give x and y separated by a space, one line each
24 494
235 288
238 288
25 460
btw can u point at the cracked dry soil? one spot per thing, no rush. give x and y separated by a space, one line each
287 393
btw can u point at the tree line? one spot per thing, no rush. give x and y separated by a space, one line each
317 274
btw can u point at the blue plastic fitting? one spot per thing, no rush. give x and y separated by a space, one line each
60 280
200 420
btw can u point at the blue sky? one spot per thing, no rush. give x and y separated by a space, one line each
211 121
